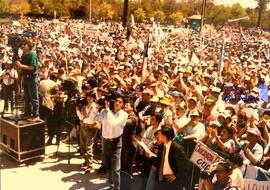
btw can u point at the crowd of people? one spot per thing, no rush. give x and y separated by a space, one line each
168 90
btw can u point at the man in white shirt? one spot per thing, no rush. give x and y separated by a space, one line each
149 139
194 129
113 122
88 130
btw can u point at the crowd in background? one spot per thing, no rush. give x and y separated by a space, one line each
165 84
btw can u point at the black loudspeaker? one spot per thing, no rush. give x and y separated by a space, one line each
24 140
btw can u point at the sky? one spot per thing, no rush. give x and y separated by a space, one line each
244 3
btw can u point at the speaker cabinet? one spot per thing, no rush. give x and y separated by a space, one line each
24 140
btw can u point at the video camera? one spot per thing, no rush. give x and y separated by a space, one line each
15 42
110 97
70 86
207 175
79 101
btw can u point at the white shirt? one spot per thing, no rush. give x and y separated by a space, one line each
198 130
7 79
89 114
166 167
181 122
149 135
112 123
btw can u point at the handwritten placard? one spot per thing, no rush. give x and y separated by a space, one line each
203 156
252 184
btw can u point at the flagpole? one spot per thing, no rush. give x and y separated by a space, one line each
202 14
221 63
90 11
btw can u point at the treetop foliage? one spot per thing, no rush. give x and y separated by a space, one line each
164 11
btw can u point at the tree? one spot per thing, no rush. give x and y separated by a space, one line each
4 6
159 16
35 7
139 15
253 17
19 6
262 6
105 10
125 14
237 11
176 17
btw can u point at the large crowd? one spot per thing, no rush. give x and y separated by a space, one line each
167 89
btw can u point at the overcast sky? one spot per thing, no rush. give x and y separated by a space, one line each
244 3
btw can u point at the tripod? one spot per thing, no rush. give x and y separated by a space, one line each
70 120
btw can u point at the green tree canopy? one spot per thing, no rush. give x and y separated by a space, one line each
4 6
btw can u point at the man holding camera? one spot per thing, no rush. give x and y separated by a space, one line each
88 129
113 122
222 171
29 66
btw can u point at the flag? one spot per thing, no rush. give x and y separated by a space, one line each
221 56
68 31
132 20
243 35
263 92
147 47
146 55
194 59
63 43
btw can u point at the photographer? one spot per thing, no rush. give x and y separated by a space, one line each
59 100
48 89
88 129
222 171
113 122
29 66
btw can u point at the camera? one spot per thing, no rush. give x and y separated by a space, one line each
207 175
80 101
15 42
110 97
70 86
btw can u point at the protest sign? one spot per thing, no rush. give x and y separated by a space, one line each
203 156
252 184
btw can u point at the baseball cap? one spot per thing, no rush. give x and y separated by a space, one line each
254 131
195 113
224 166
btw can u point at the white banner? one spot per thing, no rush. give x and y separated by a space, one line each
251 184
203 156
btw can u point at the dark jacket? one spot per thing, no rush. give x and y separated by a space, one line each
179 163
